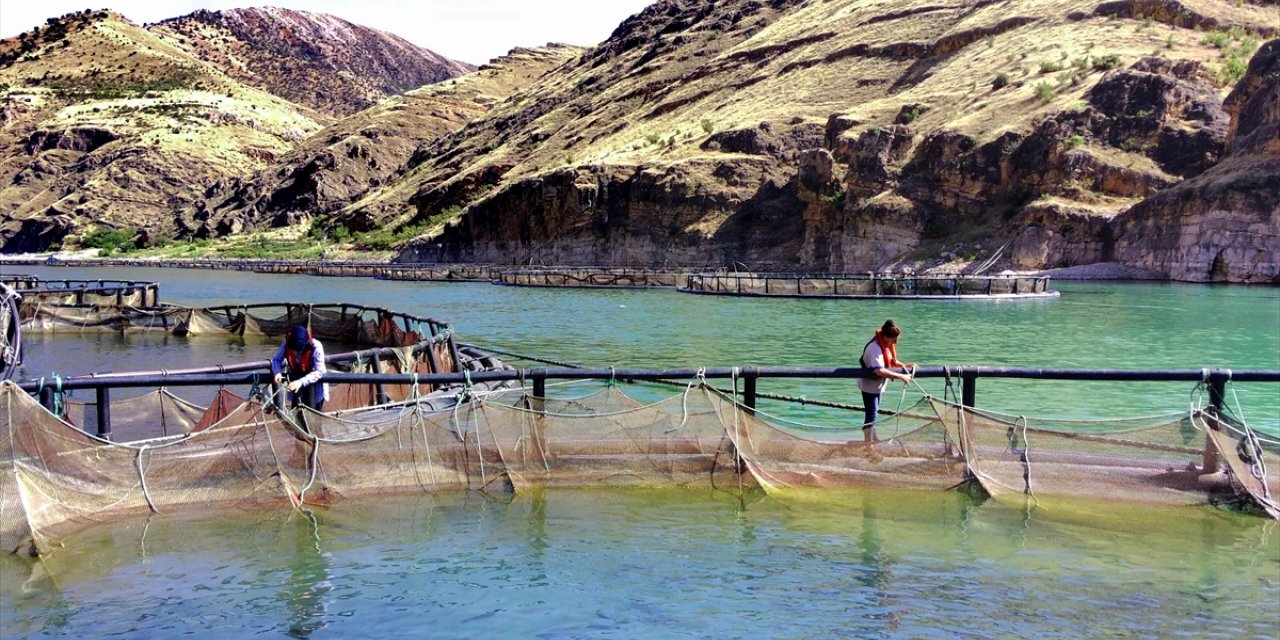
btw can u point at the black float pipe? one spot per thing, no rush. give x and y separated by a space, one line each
749 376
103 410
540 376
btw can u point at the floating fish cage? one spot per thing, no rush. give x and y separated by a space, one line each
417 412
248 452
439 273
869 286
590 277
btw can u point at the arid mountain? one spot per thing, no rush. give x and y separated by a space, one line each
317 60
837 135
338 165
106 124
846 135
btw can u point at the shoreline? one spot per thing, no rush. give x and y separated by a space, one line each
1101 271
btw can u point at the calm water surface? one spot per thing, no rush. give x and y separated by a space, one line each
692 563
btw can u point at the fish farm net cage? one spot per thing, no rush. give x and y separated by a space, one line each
250 453
868 285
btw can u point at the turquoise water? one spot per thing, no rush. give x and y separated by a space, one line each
1093 325
693 563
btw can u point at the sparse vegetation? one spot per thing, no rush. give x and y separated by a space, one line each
1106 62
1001 81
110 241
708 126
1049 66
1073 141
1045 91
1232 70
1236 45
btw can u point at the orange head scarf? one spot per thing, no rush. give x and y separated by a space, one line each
890 351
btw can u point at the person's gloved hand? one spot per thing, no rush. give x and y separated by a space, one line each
279 378
295 385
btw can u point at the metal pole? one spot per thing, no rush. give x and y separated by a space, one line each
103 410
539 382
379 393
46 399
1217 395
968 389
749 389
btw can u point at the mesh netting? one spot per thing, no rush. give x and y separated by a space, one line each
58 479
916 450
158 413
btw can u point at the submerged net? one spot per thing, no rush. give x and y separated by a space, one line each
58 479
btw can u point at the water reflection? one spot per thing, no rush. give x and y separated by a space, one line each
629 563
877 574
306 587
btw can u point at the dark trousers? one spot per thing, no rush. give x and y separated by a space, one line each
871 408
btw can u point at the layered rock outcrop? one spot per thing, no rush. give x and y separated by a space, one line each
1224 224
880 127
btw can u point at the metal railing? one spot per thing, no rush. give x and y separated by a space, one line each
254 372
32 288
1215 379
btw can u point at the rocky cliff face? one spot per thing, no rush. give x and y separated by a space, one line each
1224 224
312 59
844 136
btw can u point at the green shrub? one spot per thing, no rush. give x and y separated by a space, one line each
1001 81
1107 62
110 240
1073 141
1232 70
1048 66
708 126
1219 39
1044 91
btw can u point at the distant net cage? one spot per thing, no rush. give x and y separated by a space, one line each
590 277
870 285
246 453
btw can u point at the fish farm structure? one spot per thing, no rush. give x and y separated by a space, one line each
416 411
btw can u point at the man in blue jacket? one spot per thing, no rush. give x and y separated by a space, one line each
305 357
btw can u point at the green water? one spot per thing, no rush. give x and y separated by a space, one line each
658 564
694 563
1093 325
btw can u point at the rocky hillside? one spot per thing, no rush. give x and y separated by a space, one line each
338 165
108 125
317 60
105 124
845 135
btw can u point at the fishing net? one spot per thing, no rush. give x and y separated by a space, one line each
1157 459
58 479
915 449
155 414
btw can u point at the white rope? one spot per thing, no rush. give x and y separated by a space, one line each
1026 459
142 477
